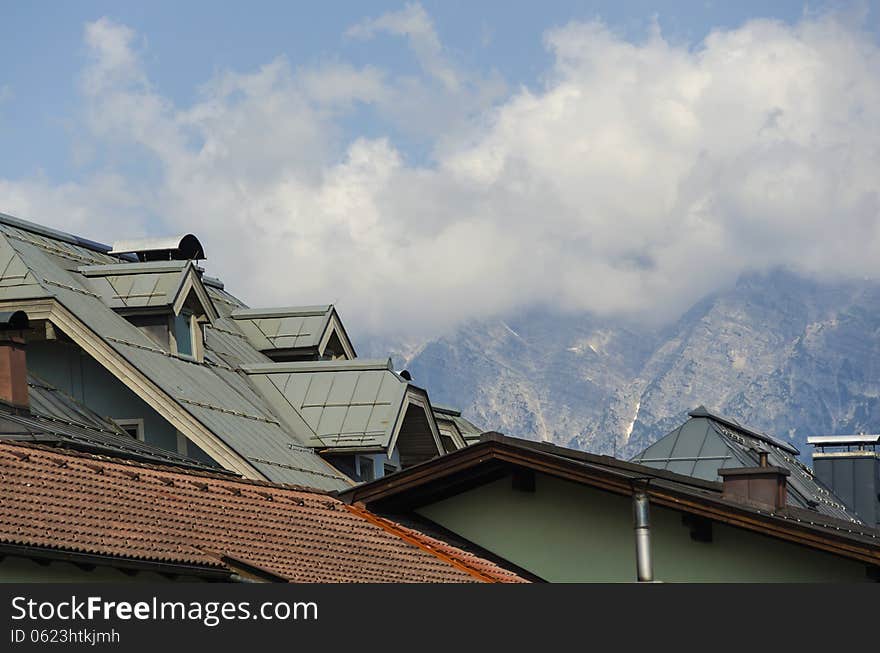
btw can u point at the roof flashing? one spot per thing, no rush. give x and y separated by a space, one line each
357 365
121 269
702 412
56 234
280 311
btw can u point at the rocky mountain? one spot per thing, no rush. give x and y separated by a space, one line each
784 354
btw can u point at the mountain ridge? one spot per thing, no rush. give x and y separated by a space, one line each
781 353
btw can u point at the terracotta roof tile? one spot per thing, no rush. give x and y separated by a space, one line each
97 505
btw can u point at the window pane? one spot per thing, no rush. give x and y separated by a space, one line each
183 334
366 468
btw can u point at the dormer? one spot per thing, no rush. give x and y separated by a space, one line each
166 300
305 333
364 417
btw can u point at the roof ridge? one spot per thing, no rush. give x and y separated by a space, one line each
129 267
702 412
356 365
281 311
55 234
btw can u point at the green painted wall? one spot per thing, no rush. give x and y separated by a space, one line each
565 532
23 570
70 369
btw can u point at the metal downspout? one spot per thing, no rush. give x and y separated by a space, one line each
642 527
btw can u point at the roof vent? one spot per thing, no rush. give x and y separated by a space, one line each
177 248
405 375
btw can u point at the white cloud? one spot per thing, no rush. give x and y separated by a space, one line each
416 25
638 177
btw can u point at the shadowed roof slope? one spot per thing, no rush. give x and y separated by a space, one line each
100 506
57 419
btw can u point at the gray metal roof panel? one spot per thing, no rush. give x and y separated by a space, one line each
286 332
143 290
657 454
702 411
804 489
703 445
215 396
339 405
54 234
48 401
71 251
223 301
230 347
58 419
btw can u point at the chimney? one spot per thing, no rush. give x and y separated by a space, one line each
13 363
765 484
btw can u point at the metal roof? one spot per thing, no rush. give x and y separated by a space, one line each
706 443
137 285
468 430
56 418
288 311
702 411
54 234
285 328
341 403
454 427
213 393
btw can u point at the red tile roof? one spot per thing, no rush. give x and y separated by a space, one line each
109 507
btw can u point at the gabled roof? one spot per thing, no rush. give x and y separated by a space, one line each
707 442
211 403
129 513
148 285
294 328
357 404
496 455
452 419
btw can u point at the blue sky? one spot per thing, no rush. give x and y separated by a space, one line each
428 163
186 43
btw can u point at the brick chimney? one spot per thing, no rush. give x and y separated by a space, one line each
765 484
13 361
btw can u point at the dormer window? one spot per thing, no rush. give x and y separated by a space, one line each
180 334
166 300
183 333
